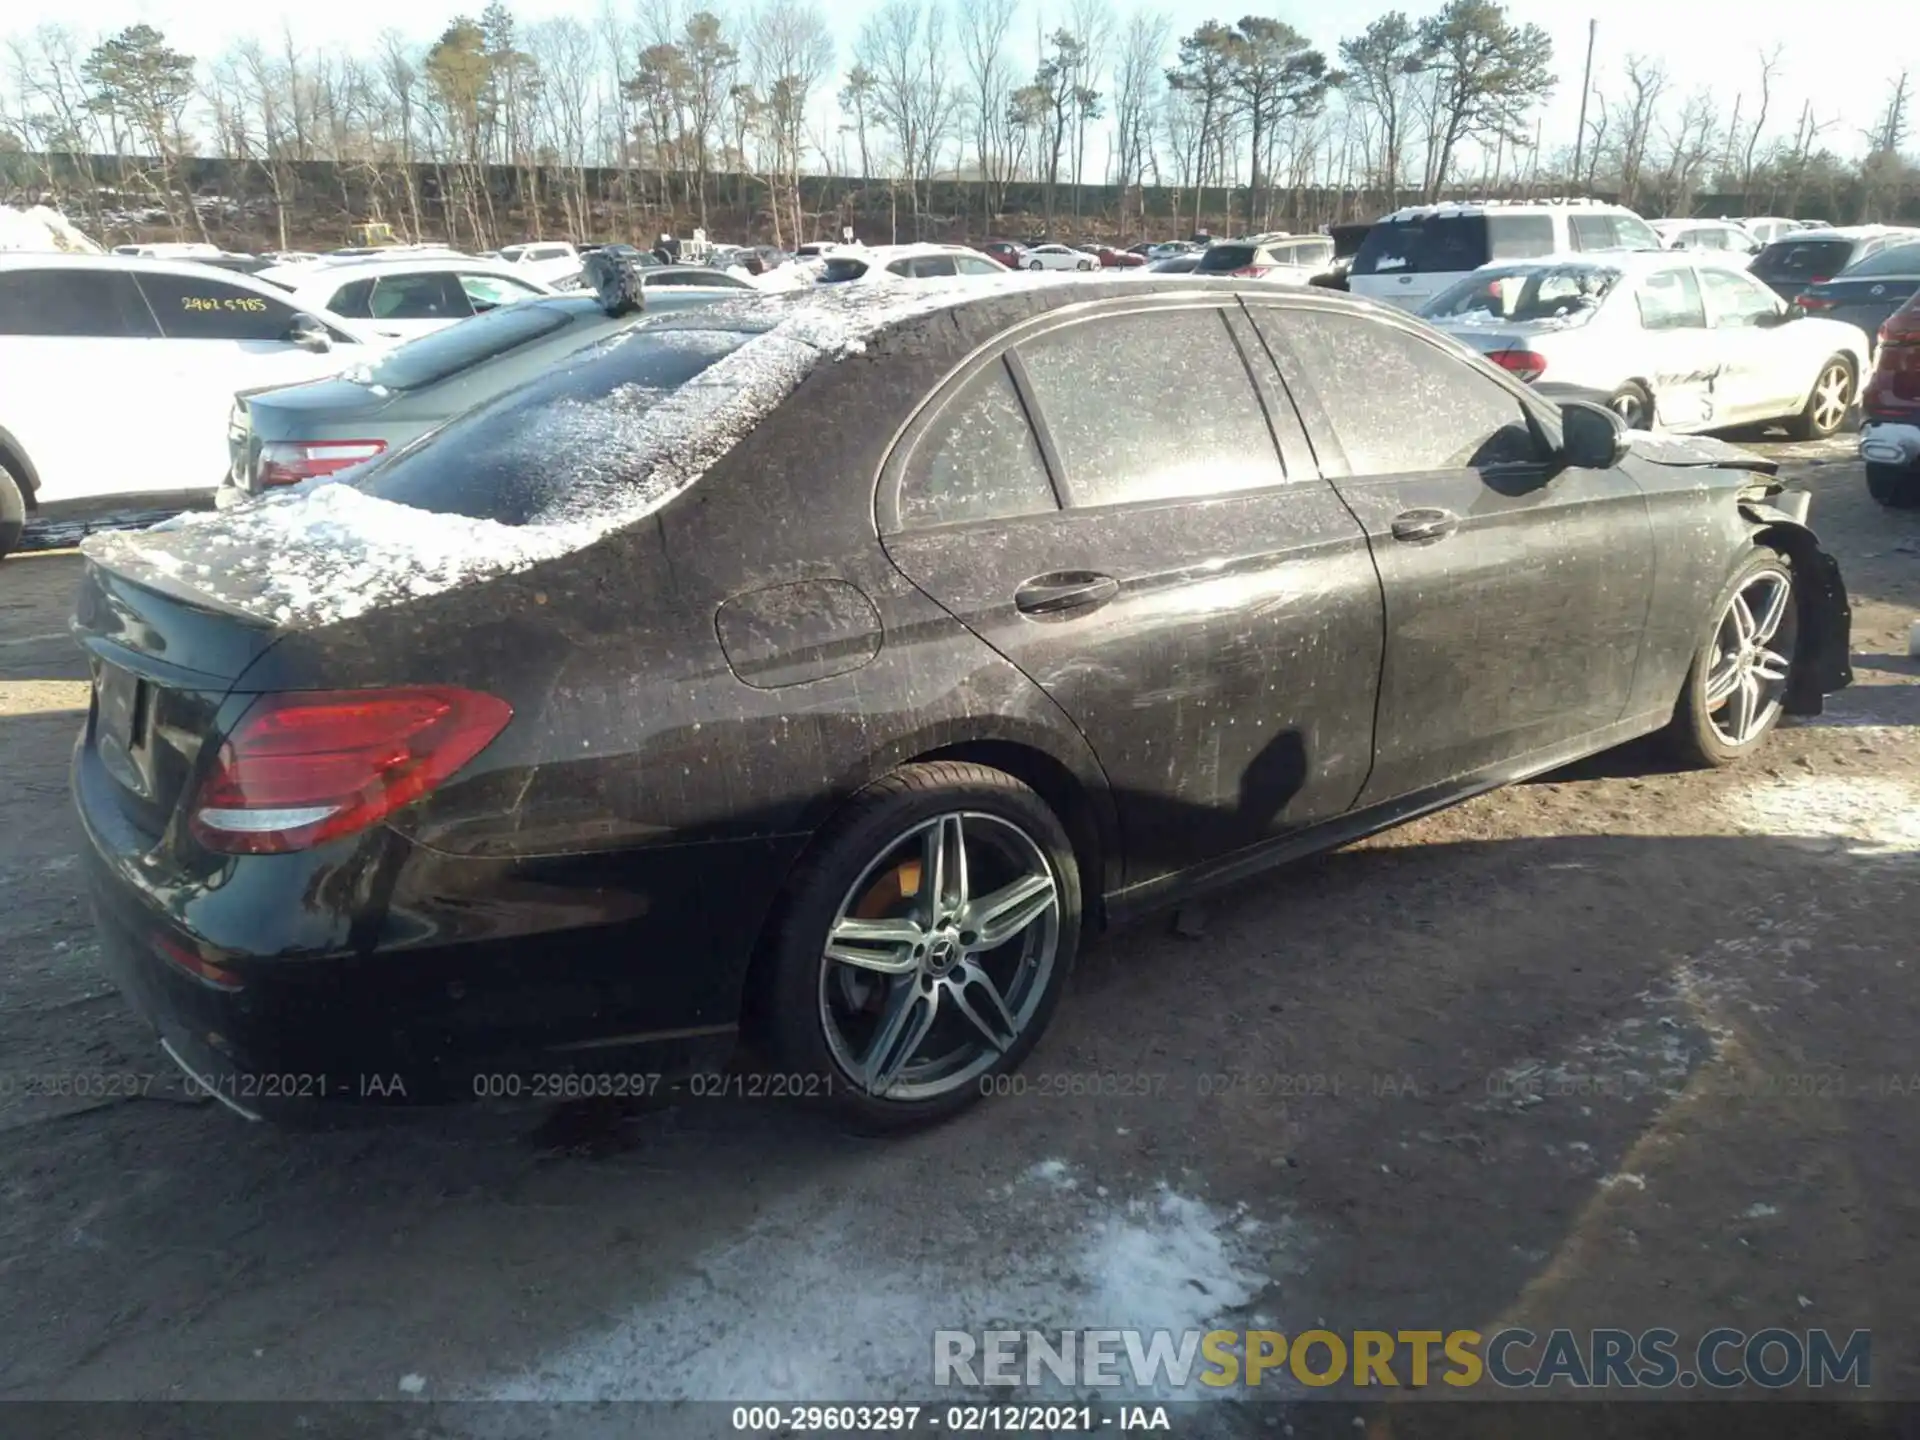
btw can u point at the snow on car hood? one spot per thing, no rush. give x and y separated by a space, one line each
1665 449
326 551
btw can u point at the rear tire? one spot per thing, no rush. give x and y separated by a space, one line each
1827 406
13 511
1036 265
1633 405
1894 487
967 1014
1738 680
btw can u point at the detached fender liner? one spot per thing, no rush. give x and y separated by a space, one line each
1825 662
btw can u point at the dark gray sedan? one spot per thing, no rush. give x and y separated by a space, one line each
1867 292
281 436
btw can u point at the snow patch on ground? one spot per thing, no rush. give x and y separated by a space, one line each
1866 817
811 1306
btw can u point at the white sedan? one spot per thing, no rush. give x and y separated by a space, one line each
1058 257
408 295
890 264
1678 341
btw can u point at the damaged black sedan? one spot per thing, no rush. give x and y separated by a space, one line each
831 666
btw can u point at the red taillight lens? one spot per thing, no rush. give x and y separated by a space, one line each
1893 390
1816 302
288 462
304 768
1526 364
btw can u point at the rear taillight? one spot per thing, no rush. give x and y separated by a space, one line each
1524 364
1251 271
1816 302
288 462
307 767
1893 390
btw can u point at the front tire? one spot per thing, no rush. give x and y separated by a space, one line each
1894 487
1827 403
1084 265
921 950
1036 265
13 511
1738 681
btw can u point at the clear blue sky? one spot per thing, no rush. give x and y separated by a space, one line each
1704 43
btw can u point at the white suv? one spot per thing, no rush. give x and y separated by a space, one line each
1413 254
119 373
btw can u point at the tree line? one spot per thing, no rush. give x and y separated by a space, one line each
698 112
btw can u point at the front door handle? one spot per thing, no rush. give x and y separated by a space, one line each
1420 526
1065 590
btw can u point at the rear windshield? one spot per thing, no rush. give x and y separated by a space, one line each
459 347
1223 259
842 269
1902 260
1558 296
1802 259
1424 245
528 455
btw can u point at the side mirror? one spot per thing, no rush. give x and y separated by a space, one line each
1592 437
309 334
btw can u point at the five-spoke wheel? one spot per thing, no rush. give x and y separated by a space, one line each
925 943
1736 690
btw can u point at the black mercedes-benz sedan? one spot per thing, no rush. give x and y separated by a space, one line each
830 666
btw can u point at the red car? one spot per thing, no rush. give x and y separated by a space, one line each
1009 254
1111 259
1890 412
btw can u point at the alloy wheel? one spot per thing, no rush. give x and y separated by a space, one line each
1632 414
1831 397
1748 678
939 956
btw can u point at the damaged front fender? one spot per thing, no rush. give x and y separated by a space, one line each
1824 661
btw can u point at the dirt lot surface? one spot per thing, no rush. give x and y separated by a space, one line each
1623 1048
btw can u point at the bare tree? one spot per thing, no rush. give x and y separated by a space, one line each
1750 150
789 52
984 26
1138 83
1379 67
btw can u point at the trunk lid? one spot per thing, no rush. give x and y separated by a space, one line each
163 662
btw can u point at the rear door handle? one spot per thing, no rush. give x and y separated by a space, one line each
1419 526
1065 590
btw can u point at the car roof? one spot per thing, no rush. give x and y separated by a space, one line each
300 278
1628 262
1845 232
1504 207
188 269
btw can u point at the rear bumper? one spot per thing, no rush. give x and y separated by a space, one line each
1888 442
613 987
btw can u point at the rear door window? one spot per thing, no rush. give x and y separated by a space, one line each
933 267
1520 237
435 295
1224 259
978 460
840 269
196 309
1397 403
1124 433
1425 245
1735 301
1593 232
99 304
1630 232
1670 300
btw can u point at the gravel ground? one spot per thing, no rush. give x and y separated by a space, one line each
1623 1047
